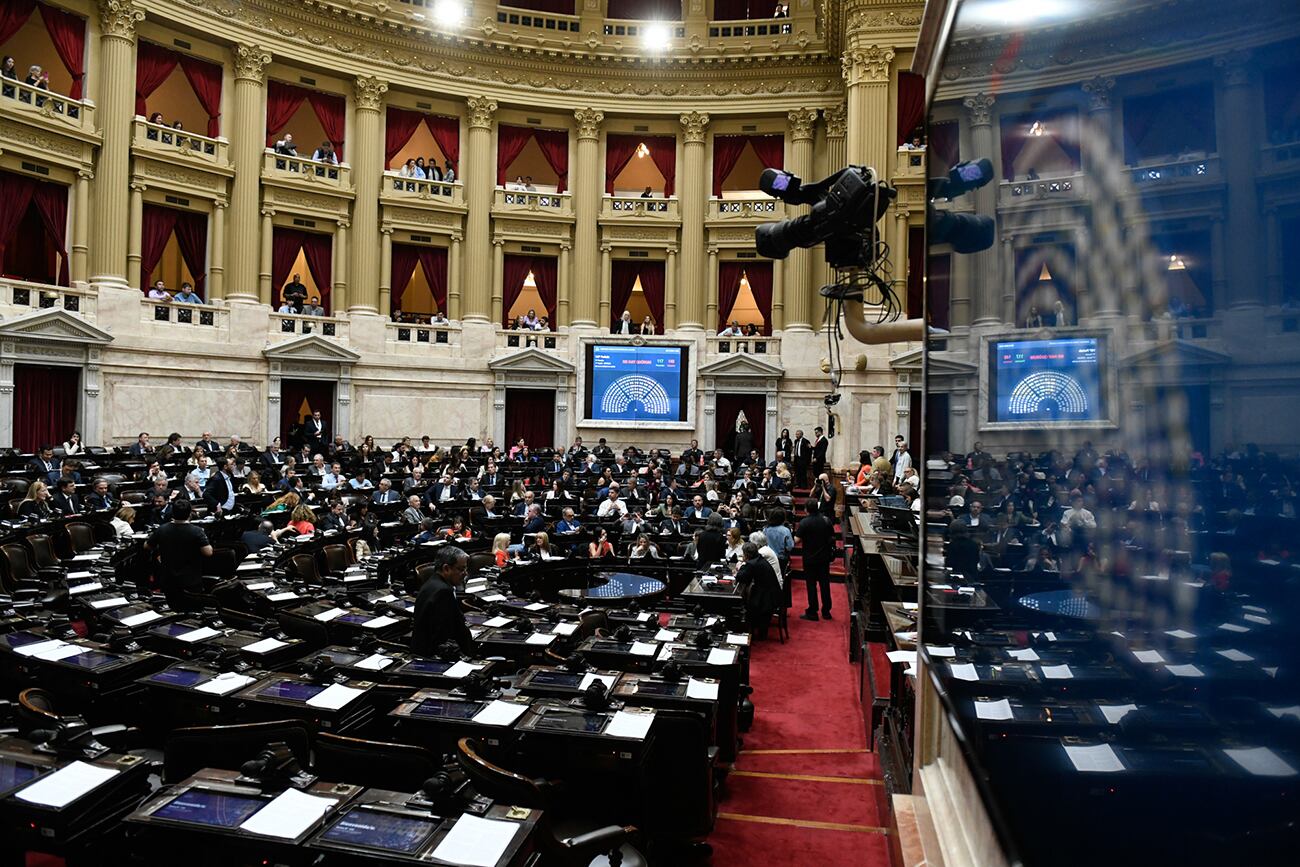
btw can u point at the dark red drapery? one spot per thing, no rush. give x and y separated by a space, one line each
446 132
663 150
514 270
911 104
399 126
652 285
192 239
511 141
17 193
622 280
944 142
645 10
728 410
770 150
939 301
759 275
740 10
153 64
191 230
545 274
315 248
555 7
30 254
405 258
619 150
729 274
915 270
45 405
1061 126
68 33
205 80
331 111
156 227
726 152
283 100
530 416
434 262
13 15
555 147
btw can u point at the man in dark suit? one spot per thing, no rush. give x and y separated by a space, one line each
314 431
801 457
102 497
258 539
208 444
386 494
438 616
764 589
44 463
816 536
141 447
819 446
554 466
692 454
219 492
66 501
337 519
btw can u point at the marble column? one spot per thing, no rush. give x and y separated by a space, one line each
79 267
247 279
1106 254
692 195
1273 256
264 261
837 157
115 110
606 277
711 306
986 293
796 298
1239 149
454 276
216 283
134 235
479 185
590 301
866 76
564 288
670 292
339 291
386 270
498 274
367 161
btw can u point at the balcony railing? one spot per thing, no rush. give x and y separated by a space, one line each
451 192
1277 157
548 22
78 113
22 297
749 29
300 168
164 139
636 28
1195 169
744 346
910 163
1186 328
511 201
289 323
634 207
514 341
196 315
759 208
418 338
1041 190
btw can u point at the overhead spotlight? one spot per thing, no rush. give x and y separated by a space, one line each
1176 263
448 13
656 37
1037 129
642 151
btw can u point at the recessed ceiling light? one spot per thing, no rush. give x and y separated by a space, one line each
656 37
448 13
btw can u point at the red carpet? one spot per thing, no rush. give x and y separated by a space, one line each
805 789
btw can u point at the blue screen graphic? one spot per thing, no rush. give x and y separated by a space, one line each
636 383
1047 381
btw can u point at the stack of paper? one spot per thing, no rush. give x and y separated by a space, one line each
289 815
335 696
476 842
500 713
66 785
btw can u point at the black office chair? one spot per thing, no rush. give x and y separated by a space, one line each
338 558
572 841
38 711
304 566
382 765
81 536
43 554
681 792
314 633
193 748
480 561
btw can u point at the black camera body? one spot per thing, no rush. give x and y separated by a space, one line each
845 209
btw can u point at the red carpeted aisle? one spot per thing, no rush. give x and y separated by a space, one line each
805 789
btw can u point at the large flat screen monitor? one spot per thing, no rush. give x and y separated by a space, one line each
636 383
1037 382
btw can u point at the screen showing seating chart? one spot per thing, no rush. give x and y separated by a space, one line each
636 383
1046 381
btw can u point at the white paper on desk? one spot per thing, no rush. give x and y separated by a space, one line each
39 647
203 633
738 638
389 597
54 654
1057 672
643 617
335 696
536 606
1099 759
1116 712
141 619
1023 654
1261 762
281 597
706 689
1235 655
1255 618
266 645
493 597
940 651
1234 627
500 713
379 622
1254 608
249 567
289 815
330 613
565 628
1270 670
260 585
353 578
476 842
224 684
74 576
644 648
907 656
494 622
66 785
993 710
1150 657
1184 671
1281 712
666 635
592 677
1180 633
911 606
963 671
84 557
85 588
709 621
630 724
113 602
375 662
721 656
462 669
540 638
905 636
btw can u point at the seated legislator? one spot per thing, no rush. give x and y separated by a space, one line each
180 547
500 544
438 616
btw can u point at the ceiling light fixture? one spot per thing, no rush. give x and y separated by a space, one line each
1036 128
1019 13
1176 263
656 37
642 151
448 13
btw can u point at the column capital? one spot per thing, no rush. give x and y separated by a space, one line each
370 92
119 17
837 121
803 123
589 121
86 174
268 212
386 230
481 109
344 223
606 248
137 187
1099 90
980 108
457 237
694 124
220 204
251 62
671 251
498 242
1234 66
870 64
565 247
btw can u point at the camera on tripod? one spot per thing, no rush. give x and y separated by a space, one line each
845 209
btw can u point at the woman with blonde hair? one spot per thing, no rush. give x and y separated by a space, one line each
123 520
541 548
783 472
37 502
500 542
253 484
735 541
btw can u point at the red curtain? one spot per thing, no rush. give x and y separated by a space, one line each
938 270
770 150
511 141
514 271
156 228
15 195
1062 126
317 249
730 10
205 79
555 147
944 142
446 132
652 284
619 150
45 405
545 275
30 255
622 279
405 258
915 271
726 152
399 126
285 244
51 201
645 10
13 15
282 100
331 111
663 150
434 262
153 64
192 239
530 415
911 104
729 274
760 283
68 33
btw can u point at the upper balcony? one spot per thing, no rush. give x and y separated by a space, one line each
428 339
719 347
284 324
408 191
24 102
520 203
1190 169
1284 157
745 209
634 209
512 341
164 142
909 164
303 172
18 297
201 321
1064 190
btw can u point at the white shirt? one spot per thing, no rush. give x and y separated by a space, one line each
904 462
607 506
769 555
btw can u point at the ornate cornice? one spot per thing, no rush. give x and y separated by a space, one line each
867 65
980 107
251 62
694 125
589 121
803 124
481 109
837 121
370 92
1099 90
119 17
